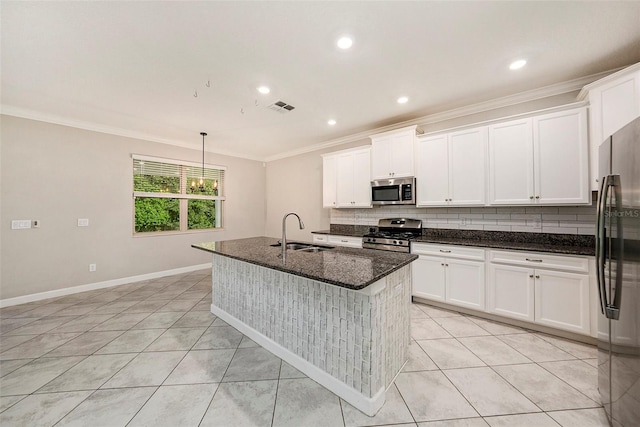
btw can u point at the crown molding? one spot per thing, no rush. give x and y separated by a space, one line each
23 113
613 75
505 101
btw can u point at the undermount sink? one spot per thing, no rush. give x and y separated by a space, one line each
304 247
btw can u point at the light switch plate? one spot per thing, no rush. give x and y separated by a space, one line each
83 222
20 224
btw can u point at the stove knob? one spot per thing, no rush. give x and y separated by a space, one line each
373 240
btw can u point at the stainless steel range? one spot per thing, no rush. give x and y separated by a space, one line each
394 234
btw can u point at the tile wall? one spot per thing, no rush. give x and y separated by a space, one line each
534 219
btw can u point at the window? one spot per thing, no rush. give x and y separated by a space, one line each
174 196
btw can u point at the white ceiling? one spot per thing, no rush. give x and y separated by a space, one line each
132 67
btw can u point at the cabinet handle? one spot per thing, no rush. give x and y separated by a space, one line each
442 264
533 260
537 276
445 251
537 197
344 241
531 276
446 265
531 197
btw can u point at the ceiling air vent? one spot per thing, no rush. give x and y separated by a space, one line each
280 107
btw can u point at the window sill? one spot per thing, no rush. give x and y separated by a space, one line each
175 233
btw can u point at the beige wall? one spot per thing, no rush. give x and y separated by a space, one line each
57 174
294 184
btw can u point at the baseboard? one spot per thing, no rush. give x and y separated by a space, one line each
368 405
99 285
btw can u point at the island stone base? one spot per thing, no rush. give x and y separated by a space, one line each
352 342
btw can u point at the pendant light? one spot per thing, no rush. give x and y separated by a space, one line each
201 184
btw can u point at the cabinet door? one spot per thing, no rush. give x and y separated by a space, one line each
561 158
344 178
511 163
432 175
401 154
510 291
329 181
362 179
381 149
562 300
467 154
428 278
465 283
612 105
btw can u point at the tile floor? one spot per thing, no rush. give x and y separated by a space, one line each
151 353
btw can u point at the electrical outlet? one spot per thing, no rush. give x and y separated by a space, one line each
83 222
35 223
92 267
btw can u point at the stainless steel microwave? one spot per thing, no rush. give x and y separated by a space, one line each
395 191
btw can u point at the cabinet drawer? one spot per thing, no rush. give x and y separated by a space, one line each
352 242
449 251
320 238
541 260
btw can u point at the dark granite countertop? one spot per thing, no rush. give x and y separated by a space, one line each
351 268
567 244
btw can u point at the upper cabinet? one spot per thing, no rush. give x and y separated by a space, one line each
392 153
451 168
614 101
540 160
346 179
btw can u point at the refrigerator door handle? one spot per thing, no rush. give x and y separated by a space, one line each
600 242
613 308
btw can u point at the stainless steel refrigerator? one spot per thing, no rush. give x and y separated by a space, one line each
618 275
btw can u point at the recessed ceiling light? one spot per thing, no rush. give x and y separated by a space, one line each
264 90
345 42
331 122
403 100
516 65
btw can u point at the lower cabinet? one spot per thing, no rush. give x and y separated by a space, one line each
550 297
458 281
335 240
348 241
549 290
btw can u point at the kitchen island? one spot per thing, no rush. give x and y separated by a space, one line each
341 315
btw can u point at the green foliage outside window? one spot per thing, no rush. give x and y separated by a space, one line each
155 213
201 214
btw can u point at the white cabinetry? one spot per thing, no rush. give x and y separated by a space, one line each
336 240
546 289
540 160
392 154
348 241
451 168
345 180
449 274
614 101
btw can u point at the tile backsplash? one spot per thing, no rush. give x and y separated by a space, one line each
528 219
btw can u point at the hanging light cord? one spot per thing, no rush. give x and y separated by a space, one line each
202 176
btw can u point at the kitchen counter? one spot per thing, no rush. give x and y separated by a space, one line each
567 244
350 268
340 316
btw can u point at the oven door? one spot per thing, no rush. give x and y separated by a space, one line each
385 194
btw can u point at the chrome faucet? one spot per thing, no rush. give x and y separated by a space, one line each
284 233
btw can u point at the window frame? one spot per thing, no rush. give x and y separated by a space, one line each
183 197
